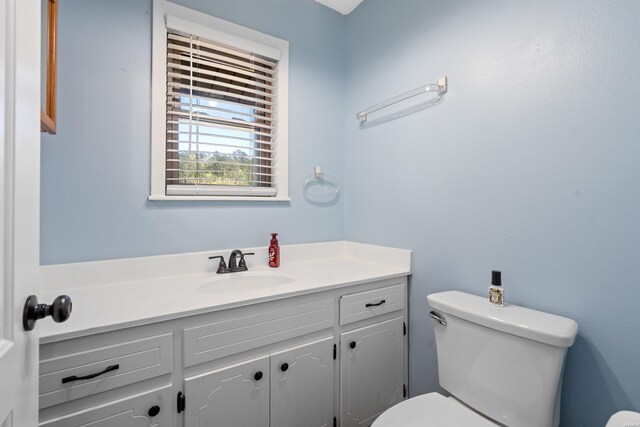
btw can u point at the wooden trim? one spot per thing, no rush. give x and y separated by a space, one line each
48 117
46 124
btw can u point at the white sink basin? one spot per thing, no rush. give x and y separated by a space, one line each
245 281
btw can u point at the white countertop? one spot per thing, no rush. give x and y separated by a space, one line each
109 295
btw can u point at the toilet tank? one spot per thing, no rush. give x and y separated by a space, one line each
504 362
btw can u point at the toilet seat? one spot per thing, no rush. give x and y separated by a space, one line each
623 419
431 410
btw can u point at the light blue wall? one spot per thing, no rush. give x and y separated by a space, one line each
531 165
95 171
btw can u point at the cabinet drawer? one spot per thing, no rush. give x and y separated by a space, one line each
364 305
240 330
153 409
61 378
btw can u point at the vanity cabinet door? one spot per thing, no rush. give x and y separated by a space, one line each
235 396
302 385
372 371
151 409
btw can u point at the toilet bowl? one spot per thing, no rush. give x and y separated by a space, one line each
502 365
624 419
435 410
431 410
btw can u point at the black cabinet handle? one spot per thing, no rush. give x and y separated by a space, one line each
258 376
154 410
181 402
284 367
370 304
352 344
90 376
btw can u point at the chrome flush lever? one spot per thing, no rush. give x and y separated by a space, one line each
438 318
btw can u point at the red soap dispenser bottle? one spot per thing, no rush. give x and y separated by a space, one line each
274 251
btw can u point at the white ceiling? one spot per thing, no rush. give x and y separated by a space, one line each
343 6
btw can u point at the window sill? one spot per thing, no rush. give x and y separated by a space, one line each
161 197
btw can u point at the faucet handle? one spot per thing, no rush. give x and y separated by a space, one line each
243 263
222 265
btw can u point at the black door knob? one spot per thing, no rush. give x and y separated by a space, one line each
352 344
284 367
154 410
258 376
59 311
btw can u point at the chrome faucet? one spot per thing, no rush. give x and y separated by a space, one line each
234 265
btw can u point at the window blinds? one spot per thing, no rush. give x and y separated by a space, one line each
221 119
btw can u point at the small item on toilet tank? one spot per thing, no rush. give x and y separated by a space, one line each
496 292
274 251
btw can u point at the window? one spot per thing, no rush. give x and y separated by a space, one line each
219 124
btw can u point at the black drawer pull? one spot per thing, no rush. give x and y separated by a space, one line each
154 410
284 367
258 376
90 376
375 305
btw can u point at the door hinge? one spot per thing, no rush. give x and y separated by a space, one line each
335 352
181 401
335 422
404 390
404 328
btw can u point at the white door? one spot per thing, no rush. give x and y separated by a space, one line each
302 385
234 396
371 371
19 207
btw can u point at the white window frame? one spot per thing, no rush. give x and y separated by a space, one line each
233 35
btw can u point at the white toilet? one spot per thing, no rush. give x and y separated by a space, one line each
502 365
624 419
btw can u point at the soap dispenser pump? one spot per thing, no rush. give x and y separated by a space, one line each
274 251
496 292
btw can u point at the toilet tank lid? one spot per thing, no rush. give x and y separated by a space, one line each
524 322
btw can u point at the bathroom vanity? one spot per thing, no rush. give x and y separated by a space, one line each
321 341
